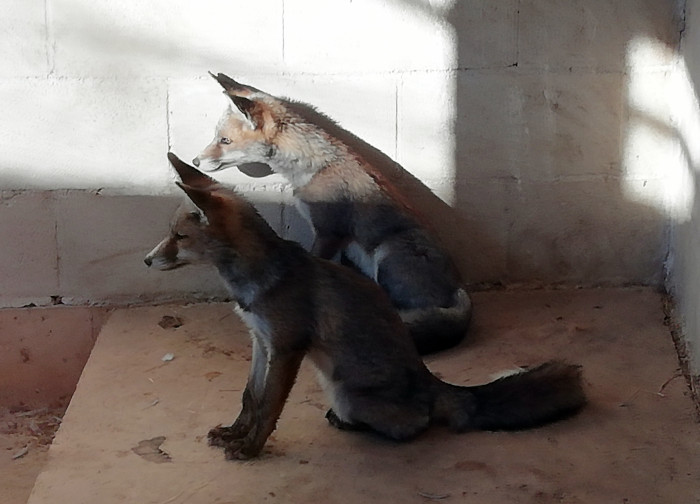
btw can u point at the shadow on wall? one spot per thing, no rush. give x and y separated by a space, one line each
550 142
555 180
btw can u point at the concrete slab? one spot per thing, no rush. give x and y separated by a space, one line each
636 442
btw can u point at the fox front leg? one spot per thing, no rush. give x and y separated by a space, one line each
282 370
331 224
222 436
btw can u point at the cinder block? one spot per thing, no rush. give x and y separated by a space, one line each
23 45
426 126
570 126
585 232
194 108
367 36
165 37
475 228
592 33
485 32
490 126
28 254
652 139
102 241
89 134
510 125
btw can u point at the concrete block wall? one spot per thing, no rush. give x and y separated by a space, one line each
684 278
520 116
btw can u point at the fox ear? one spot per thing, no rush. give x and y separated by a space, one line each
202 197
189 175
249 108
232 87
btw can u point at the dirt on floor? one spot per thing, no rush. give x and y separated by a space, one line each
25 437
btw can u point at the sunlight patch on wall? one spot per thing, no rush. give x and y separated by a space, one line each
658 160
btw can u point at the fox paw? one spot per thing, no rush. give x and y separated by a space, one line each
240 450
235 441
222 436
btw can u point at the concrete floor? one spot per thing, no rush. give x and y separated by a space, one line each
637 441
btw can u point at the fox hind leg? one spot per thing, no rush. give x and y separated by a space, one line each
341 424
393 420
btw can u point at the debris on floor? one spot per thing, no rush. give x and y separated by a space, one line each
170 322
25 437
21 428
149 449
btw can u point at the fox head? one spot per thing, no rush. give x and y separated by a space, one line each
261 128
246 131
216 228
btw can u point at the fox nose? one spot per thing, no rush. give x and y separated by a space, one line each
148 261
195 161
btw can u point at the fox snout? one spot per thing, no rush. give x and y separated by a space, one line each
195 161
148 260
162 257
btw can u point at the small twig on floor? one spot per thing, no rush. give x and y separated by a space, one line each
34 427
677 374
626 403
33 412
433 496
21 453
152 403
156 367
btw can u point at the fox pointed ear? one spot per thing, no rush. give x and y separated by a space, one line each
232 87
202 197
249 108
190 175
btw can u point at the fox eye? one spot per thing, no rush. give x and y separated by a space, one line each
179 236
224 140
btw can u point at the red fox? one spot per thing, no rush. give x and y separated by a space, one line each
352 207
298 305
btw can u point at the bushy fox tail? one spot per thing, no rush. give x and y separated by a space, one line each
549 392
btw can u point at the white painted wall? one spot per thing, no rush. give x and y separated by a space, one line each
540 124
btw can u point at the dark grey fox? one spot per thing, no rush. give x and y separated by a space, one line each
296 305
